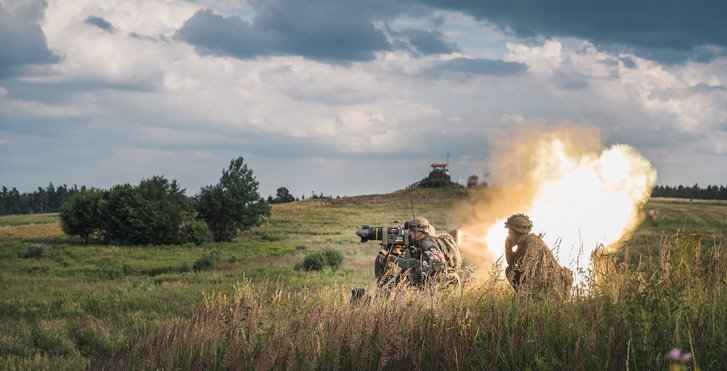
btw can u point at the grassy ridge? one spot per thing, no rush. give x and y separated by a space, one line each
62 304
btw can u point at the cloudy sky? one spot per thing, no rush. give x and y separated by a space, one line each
349 97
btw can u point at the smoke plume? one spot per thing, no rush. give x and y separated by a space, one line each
579 195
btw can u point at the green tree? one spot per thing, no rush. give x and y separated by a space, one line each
80 214
151 213
283 195
233 204
40 200
15 203
4 200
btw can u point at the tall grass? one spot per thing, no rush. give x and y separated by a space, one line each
632 314
62 304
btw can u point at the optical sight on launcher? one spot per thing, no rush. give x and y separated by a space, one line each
389 236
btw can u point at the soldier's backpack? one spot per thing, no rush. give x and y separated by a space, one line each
450 250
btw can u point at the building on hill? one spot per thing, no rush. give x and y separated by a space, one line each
438 178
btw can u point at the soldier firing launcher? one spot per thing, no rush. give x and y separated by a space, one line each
393 236
394 241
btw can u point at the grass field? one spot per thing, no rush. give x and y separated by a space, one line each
63 304
664 217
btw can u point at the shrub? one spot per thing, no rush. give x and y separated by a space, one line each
196 232
80 215
150 213
317 260
314 261
184 267
206 261
333 258
32 252
155 212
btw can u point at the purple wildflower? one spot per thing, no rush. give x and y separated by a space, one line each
675 354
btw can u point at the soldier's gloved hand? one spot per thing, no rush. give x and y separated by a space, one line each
406 263
425 267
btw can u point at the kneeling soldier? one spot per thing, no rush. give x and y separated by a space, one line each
533 267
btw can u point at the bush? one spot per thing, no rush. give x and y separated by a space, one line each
314 261
155 212
151 213
32 252
206 261
184 267
196 232
317 260
333 258
80 215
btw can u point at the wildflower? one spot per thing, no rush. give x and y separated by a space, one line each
675 354
679 361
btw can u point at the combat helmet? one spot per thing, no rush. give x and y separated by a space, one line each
419 224
519 223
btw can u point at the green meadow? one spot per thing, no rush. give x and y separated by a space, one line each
242 305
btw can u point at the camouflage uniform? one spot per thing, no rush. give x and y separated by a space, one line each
425 261
432 257
533 267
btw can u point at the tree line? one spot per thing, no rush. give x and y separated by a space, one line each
51 198
42 200
711 192
282 195
157 211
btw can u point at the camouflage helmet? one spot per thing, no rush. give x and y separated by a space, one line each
419 224
519 223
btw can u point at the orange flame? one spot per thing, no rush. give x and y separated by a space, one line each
579 199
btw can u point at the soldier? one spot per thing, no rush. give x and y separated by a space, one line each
533 267
424 261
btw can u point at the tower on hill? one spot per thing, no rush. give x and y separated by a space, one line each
438 178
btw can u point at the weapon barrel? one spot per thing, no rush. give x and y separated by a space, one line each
387 235
370 233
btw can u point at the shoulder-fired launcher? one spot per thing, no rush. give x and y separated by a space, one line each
389 236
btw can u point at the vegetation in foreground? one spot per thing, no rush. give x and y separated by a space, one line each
62 303
631 320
